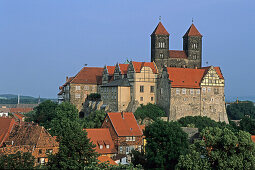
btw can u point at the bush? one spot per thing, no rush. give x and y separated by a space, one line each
94 97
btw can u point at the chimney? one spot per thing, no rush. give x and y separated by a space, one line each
66 78
122 115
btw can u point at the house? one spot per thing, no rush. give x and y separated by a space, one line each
106 159
102 139
30 138
125 132
77 88
6 127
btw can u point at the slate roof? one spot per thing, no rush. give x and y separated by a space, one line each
101 136
192 31
160 30
125 124
119 82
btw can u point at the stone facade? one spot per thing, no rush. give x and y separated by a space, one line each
195 99
189 57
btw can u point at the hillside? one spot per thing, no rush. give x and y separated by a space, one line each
13 99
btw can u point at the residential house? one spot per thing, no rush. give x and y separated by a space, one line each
125 131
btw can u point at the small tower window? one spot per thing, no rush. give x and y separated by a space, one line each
161 55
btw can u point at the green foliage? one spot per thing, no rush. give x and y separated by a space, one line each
17 161
94 97
151 111
43 113
200 122
138 158
96 166
220 149
165 142
247 124
237 111
94 119
75 149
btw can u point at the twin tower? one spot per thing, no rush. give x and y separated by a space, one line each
189 57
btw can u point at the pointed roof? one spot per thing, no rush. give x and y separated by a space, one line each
192 31
160 30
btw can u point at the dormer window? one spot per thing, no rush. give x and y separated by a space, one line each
107 146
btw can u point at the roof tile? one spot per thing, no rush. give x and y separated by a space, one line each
192 31
160 30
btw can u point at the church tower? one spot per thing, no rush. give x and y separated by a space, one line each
192 45
160 46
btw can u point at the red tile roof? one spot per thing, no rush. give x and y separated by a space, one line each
101 136
253 138
20 110
89 75
160 30
68 81
19 116
6 126
139 65
177 54
123 68
125 124
192 31
106 159
110 70
188 77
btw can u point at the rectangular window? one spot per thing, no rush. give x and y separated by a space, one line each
177 91
204 89
198 91
141 89
77 96
127 138
151 98
121 149
78 87
191 91
152 89
161 91
141 98
133 138
183 91
101 146
209 89
107 146
127 150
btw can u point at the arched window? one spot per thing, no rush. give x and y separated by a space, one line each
161 55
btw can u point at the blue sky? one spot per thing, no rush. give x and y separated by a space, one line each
43 41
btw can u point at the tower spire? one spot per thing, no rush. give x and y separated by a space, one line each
159 18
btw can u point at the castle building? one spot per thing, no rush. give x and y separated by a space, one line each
189 57
174 79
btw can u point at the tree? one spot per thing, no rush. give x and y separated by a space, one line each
165 142
94 119
247 124
43 113
17 161
75 150
237 111
200 122
151 111
220 149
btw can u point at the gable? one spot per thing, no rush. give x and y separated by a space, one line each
212 78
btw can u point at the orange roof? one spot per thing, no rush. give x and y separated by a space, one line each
89 75
177 54
142 127
139 65
123 68
19 116
68 80
192 31
6 125
188 77
101 137
110 69
21 110
253 138
160 30
106 159
125 124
